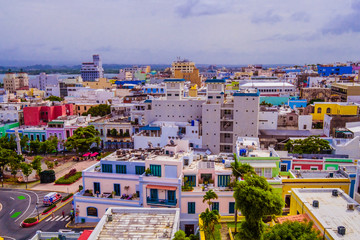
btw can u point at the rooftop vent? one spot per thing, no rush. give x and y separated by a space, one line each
341 230
331 174
109 218
351 206
315 204
335 193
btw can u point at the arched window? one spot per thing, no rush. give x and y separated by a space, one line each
328 110
319 110
92 211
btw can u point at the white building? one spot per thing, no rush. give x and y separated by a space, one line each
43 80
90 95
92 70
271 88
268 118
9 112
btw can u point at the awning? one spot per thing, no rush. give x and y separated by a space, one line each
263 165
94 154
161 187
86 154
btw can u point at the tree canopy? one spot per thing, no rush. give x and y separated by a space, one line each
293 230
209 220
255 199
82 139
309 145
100 110
209 195
54 99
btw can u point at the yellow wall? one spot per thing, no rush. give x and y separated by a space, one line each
101 84
288 184
79 109
335 109
193 77
193 91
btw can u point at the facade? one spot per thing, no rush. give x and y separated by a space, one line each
90 71
69 85
43 80
100 83
9 113
271 88
324 70
41 115
347 92
185 69
315 93
331 108
13 81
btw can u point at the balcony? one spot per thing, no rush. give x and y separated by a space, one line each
161 202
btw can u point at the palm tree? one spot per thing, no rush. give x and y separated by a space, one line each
209 195
209 220
239 170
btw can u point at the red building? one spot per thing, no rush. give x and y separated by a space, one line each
41 115
307 164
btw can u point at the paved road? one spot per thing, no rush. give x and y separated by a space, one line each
18 205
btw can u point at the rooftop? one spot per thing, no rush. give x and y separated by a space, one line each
311 174
332 211
137 223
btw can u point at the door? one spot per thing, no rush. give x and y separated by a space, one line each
117 189
153 194
171 196
97 188
189 229
283 167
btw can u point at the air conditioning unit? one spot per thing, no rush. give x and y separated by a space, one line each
341 230
315 204
351 206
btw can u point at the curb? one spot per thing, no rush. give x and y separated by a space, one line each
26 225
57 208
44 213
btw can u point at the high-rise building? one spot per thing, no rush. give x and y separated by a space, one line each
92 70
13 82
186 70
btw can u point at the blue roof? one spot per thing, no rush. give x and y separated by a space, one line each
215 81
174 80
148 101
147 127
247 94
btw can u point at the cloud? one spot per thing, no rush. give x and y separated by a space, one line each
291 37
268 17
196 8
344 23
57 49
300 17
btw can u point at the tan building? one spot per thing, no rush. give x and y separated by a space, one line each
100 83
347 92
80 108
184 69
13 81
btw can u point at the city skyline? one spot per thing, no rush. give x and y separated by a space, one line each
156 32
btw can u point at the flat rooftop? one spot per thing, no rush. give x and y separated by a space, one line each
137 223
332 211
317 174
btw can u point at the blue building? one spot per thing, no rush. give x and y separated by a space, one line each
336 70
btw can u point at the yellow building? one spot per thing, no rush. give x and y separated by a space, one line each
80 108
238 75
193 91
333 212
101 83
32 92
333 108
184 69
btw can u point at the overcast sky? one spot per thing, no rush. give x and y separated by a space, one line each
157 31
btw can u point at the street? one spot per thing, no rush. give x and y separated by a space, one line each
18 205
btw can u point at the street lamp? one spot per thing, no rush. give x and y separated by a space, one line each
37 209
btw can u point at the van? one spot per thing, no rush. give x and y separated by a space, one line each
51 198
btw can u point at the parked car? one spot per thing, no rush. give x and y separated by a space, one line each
51 198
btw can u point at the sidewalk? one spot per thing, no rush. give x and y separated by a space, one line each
72 188
58 206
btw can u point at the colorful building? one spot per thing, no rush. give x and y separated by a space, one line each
5 127
100 83
333 108
41 115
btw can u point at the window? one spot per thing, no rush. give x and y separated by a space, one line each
153 194
297 167
291 118
176 94
97 189
210 97
117 189
139 170
171 196
231 207
191 207
92 211
267 172
258 171
43 138
169 94
319 110
155 170
328 110
223 180
215 206
313 168
121 169
107 168
191 179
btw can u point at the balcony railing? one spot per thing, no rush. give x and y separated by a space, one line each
158 201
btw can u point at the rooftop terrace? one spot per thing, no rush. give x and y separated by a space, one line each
317 174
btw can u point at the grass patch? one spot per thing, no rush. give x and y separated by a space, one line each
49 208
70 180
67 197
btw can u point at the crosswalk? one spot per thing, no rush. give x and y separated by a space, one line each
57 218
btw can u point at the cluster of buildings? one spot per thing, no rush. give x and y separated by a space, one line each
173 135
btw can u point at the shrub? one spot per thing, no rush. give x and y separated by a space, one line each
67 197
56 163
50 165
49 208
81 187
72 172
69 180
30 220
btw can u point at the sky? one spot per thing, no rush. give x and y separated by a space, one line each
158 31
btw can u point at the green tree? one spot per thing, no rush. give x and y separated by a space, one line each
14 162
113 132
309 145
180 235
24 142
255 199
54 99
209 220
34 146
82 139
264 103
6 156
209 196
8 142
36 164
100 110
26 170
239 170
293 230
